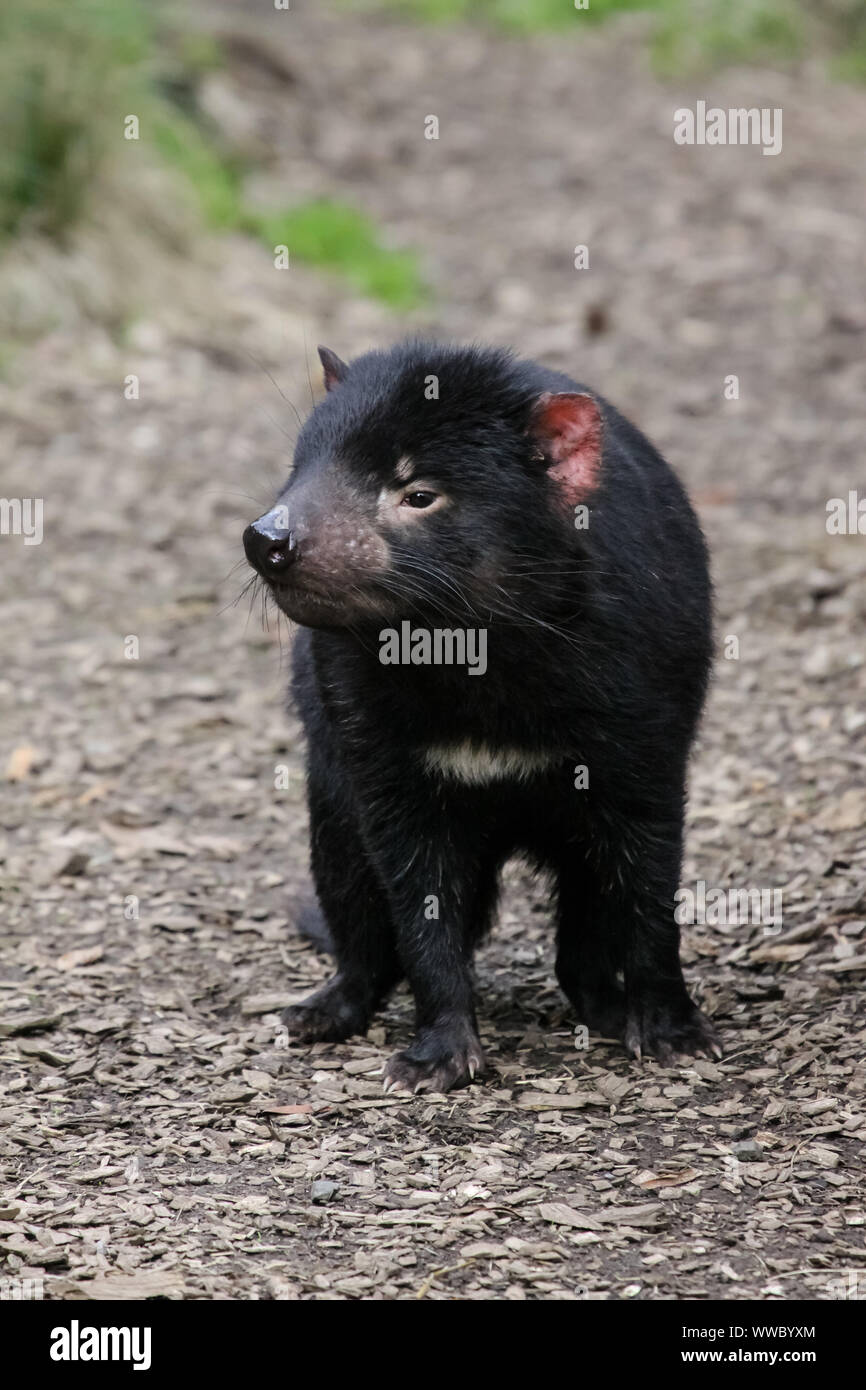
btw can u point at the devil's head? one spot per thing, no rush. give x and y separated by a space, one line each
430 480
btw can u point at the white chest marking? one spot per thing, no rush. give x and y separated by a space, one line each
476 763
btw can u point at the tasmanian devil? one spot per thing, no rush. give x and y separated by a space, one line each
506 637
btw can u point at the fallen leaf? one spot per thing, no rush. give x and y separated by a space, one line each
576 1100
848 813
21 763
154 1283
851 963
781 952
29 1047
650 1180
259 1080
286 1109
560 1214
155 839
220 846
27 1023
648 1215
264 1003
83 955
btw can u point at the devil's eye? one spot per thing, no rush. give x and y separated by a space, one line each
418 499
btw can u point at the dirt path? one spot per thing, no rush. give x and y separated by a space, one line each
154 1135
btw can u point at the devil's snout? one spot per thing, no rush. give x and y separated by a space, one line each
270 546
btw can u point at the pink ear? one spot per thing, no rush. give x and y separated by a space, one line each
567 426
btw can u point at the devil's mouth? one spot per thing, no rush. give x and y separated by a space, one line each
286 594
308 607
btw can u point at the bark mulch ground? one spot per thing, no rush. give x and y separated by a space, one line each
156 1137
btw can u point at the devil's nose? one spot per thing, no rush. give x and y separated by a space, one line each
270 548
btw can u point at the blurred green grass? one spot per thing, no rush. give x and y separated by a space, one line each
339 238
520 16
64 71
72 71
321 232
684 36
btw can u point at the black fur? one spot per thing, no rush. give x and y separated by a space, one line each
598 653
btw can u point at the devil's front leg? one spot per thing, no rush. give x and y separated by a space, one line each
355 909
440 879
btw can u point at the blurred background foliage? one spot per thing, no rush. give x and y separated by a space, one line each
683 36
70 73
